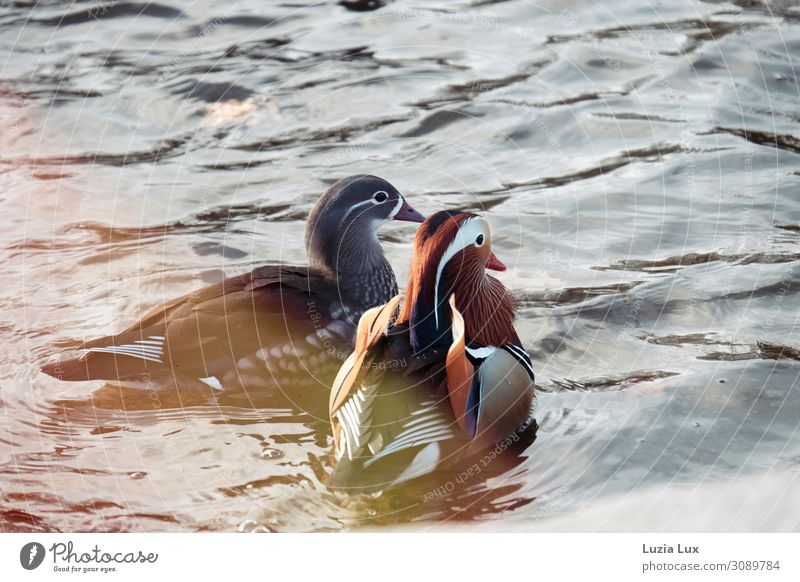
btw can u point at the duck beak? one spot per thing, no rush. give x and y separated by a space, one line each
495 264
408 214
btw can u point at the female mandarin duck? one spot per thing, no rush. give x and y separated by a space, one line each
279 325
445 378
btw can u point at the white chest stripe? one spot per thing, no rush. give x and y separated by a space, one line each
519 354
481 353
522 357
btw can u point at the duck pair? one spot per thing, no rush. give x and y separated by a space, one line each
429 380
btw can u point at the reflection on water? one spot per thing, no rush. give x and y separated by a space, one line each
638 163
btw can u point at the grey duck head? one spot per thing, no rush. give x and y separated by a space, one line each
342 240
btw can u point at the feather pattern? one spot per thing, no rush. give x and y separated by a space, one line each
437 388
281 324
149 350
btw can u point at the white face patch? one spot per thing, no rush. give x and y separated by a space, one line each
467 234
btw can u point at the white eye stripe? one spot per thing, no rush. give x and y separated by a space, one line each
358 205
396 208
374 202
466 235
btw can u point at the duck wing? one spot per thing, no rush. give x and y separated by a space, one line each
276 312
389 409
491 388
397 416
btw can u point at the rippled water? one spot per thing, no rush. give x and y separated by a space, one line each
638 161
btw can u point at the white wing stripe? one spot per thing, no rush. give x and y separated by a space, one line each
416 421
413 442
143 349
422 433
146 350
353 417
429 429
349 413
357 403
126 351
422 411
121 352
135 351
348 437
395 446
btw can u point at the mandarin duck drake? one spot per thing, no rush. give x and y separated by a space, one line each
440 379
277 325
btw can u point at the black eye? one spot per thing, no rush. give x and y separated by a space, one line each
479 240
380 196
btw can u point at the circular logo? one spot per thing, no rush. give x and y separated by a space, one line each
31 555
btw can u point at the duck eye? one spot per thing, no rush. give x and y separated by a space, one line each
380 196
479 240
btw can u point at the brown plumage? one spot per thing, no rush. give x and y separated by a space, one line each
444 380
278 326
488 308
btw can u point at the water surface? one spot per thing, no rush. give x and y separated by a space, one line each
638 162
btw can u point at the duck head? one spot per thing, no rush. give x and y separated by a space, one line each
452 253
341 233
